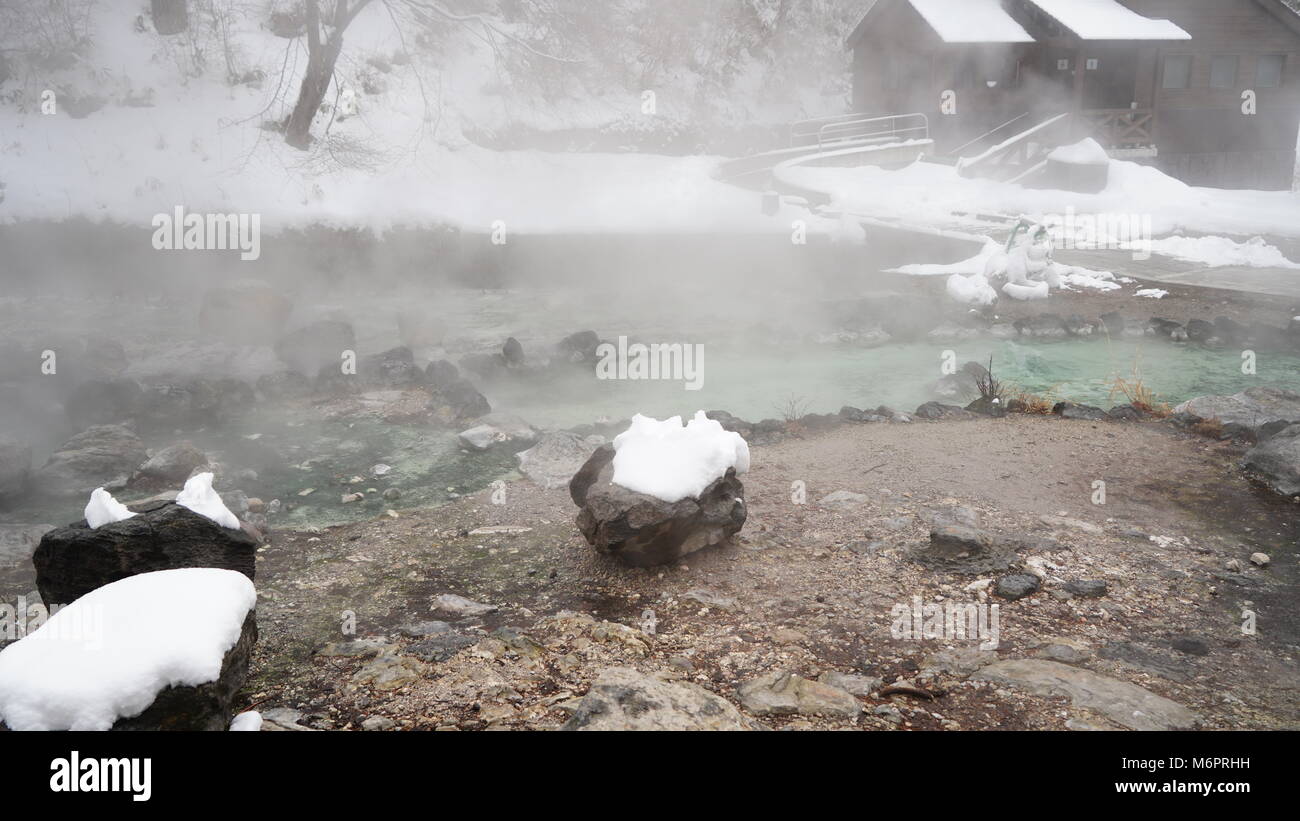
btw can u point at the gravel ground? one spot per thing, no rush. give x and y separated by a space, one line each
809 588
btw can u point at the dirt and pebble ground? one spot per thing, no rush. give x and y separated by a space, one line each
350 636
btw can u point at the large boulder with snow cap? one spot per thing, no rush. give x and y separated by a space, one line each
74 560
156 651
662 491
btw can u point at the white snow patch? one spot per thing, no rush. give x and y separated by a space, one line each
670 461
198 496
1085 152
108 654
1218 252
249 722
1108 20
1152 293
971 21
103 509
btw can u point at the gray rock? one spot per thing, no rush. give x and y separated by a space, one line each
284 719
174 463
1073 410
1126 704
1190 645
1276 461
460 607
623 699
938 410
711 599
15 468
643 530
965 550
554 460
1087 588
378 723
497 429
1250 409
842 500
785 693
100 456
852 684
440 647
424 629
1016 586
19 541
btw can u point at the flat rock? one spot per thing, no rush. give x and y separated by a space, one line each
1276 461
785 693
1251 409
842 500
1126 704
554 460
623 699
459 606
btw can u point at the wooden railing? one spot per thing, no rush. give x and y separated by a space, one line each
1120 127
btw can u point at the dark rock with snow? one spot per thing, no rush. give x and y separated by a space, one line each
206 707
15 468
643 530
174 463
103 401
1073 410
100 456
71 561
1276 461
988 406
316 345
244 311
1076 325
1198 330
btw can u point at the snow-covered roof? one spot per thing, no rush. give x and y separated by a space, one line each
1108 20
955 21
971 21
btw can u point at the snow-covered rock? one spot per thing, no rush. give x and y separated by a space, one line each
249 722
199 497
158 650
670 461
103 509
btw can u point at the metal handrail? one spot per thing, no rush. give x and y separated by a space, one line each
957 151
844 127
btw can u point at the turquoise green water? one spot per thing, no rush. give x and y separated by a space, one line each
822 379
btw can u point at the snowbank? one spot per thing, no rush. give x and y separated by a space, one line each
1085 152
108 654
249 722
671 462
103 509
1217 252
934 194
198 496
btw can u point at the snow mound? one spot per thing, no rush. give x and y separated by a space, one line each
1152 293
971 290
249 722
103 509
1218 252
670 461
1085 152
108 654
1032 290
198 496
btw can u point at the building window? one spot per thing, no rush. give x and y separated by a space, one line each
1177 71
1268 70
1223 71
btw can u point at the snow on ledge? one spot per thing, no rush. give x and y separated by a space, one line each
198 496
670 461
971 21
108 654
1108 20
103 509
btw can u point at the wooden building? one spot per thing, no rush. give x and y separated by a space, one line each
1207 90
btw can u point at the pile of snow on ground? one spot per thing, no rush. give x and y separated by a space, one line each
108 654
671 462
